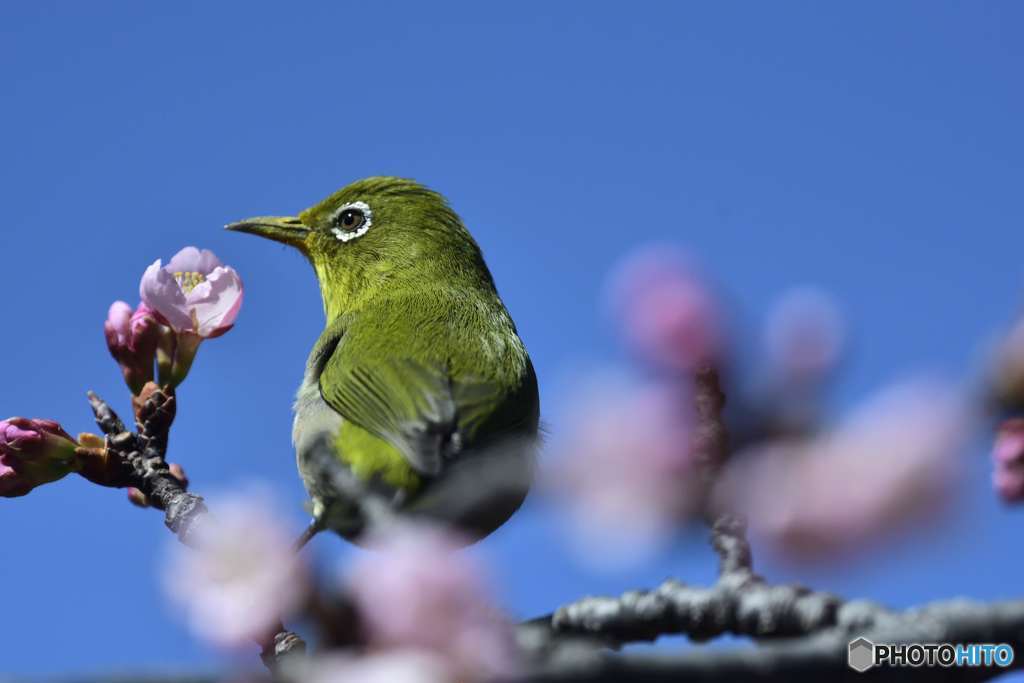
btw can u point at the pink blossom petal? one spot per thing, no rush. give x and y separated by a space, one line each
192 260
420 592
217 301
389 666
143 311
627 477
162 293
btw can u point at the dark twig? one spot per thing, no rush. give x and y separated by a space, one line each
137 459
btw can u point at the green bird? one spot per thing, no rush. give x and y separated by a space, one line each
419 398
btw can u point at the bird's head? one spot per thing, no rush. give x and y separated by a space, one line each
376 236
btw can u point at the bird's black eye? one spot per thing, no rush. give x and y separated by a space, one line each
351 219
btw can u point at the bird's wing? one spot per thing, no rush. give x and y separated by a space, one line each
417 407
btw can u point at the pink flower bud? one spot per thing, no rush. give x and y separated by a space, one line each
669 314
132 338
178 472
117 328
1008 461
145 329
137 497
32 453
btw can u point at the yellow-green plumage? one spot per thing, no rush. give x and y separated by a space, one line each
420 384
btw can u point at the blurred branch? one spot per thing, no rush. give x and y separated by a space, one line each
711 440
802 634
740 603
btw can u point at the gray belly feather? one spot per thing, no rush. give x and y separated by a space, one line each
476 492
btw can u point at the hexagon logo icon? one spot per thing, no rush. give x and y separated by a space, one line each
861 656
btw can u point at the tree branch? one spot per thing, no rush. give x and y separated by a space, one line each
740 603
138 459
801 634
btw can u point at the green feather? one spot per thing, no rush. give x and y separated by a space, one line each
458 379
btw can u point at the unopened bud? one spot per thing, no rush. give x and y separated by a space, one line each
132 339
137 497
32 453
178 472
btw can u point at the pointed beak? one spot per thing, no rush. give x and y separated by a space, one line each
284 229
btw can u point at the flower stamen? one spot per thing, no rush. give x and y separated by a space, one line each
189 280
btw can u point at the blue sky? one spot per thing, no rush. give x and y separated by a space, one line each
874 150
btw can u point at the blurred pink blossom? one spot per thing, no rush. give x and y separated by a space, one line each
243 574
416 591
1008 461
194 293
667 311
401 666
803 335
891 462
628 471
33 452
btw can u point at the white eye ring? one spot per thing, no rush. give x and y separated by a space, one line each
361 230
